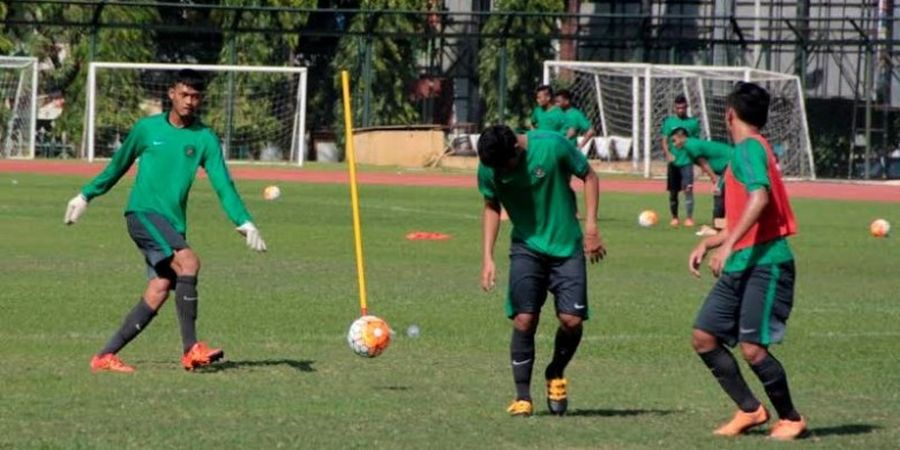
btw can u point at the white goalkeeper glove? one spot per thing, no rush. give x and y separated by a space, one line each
254 240
77 206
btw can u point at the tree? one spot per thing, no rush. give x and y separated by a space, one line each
524 61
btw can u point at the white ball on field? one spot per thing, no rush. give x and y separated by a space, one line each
368 336
880 228
271 192
648 218
412 331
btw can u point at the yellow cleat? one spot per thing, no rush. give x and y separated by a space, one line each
520 408
788 430
743 421
557 396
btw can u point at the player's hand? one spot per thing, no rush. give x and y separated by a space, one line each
717 261
77 206
254 239
488 275
670 157
593 246
696 258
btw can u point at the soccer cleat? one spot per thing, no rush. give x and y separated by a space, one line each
557 400
688 222
743 421
674 223
109 362
201 355
788 430
522 408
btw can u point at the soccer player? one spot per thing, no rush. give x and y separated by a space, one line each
529 175
680 170
712 157
171 146
577 123
547 116
752 299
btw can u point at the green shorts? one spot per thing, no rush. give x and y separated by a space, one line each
750 306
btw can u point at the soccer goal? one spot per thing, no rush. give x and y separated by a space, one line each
258 112
627 104
18 113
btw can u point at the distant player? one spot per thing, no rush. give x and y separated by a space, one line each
750 303
547 116
529 175
680 170
577 124
712 157
171 146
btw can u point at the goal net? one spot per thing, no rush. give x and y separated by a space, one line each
18 113
258 112
627 104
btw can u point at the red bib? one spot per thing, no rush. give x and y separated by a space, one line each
777 218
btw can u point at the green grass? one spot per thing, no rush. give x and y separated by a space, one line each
291 381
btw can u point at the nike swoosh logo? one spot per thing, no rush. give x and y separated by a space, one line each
190 299
519 363
577 306
747 330
158 142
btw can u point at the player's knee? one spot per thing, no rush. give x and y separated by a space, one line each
703 342
570 323
753 353
157 292
186 263
525 322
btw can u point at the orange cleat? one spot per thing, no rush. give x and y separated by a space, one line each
557 396
743 421
689 222
674 223
788 430
109 362
201 355
521 408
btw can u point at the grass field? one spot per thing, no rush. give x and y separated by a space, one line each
291 381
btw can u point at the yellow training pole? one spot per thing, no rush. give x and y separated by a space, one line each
354 193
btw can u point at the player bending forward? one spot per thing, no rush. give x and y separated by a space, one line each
750 303
529 175
171 146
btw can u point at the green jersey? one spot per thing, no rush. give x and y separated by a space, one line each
691 124
537 195
717 154
169 158
577 120
749 164
552 119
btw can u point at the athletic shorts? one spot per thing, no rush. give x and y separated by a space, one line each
679 178
532 275
750 306
719 203
157 239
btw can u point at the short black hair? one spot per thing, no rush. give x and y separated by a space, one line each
544 87
496 146
564 93
190 78
680 99
678 130
750 102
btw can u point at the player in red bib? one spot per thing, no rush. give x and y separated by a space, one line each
752 299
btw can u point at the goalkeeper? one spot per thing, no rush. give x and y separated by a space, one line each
171 146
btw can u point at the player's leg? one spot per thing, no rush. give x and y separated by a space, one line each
719 207
673 185
568 283
186 265
527 293
717 324
687 186
767 304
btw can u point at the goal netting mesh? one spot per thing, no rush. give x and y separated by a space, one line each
627 104
258 112
18 113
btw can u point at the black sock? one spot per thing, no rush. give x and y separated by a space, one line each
724 367
564 349
673 203
186 306
689 203
773 377
135 322
521 351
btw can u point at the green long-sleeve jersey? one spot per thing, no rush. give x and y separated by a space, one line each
169 158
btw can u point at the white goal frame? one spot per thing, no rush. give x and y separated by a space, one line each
25 76
298 141
642 128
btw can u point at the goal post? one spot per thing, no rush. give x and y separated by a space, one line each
258 112
627 103
18 113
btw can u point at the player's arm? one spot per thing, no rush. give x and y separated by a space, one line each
704 166
577 163
664 142
532 124
587 127
214 164
490 228
121 161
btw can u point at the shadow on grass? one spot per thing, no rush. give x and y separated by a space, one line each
614 412
299 365
842 430
393 388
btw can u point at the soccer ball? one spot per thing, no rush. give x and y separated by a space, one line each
880 228
647 218
271 192
369 336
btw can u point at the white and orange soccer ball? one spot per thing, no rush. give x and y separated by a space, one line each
880 228
369 336
271 192
648 218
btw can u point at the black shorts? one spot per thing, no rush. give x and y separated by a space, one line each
532 274
679 178
749 306
157 239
